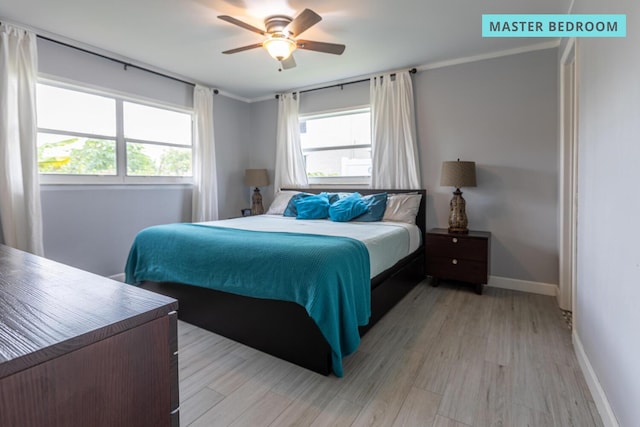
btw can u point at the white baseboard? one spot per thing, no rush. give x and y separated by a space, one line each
599 397
119 277
523 285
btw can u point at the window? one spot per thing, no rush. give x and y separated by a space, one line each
85 137
158 141
337 145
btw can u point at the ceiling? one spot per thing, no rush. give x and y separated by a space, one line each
185 38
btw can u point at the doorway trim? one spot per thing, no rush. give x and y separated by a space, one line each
568 174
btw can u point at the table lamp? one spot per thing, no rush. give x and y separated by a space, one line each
458 174
256 178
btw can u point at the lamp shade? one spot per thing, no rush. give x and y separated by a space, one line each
256 177
279 48
458 174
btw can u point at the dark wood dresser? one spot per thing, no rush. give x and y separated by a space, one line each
461 257
77 349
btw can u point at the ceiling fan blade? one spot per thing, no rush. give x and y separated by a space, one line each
239 23
305 20
333 48
243 48
288 63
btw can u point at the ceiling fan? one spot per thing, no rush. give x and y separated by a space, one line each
282 32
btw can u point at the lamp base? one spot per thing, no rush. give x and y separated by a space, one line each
457 216
256 203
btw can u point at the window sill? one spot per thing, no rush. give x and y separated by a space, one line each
112 180
46 188
344 181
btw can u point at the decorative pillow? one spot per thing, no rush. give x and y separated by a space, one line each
347 208
339 196
280 202
313 207
291 206
334 197
402 208
376 205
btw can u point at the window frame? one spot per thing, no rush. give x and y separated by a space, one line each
121 176
336 180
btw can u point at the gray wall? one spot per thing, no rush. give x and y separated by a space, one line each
335 98
500 113
232 135
92 227
75 66
263 126
607 316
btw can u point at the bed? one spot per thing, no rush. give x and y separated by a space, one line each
288 328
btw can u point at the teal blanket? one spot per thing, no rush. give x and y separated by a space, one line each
327 275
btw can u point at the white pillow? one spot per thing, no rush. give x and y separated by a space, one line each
280 202
402 208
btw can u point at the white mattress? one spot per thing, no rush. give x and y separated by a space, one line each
388 242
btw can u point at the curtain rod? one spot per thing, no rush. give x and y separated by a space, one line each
125 64
411 71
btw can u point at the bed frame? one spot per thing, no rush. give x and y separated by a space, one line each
283 328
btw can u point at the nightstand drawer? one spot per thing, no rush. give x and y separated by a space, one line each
460 269
461 257
462 247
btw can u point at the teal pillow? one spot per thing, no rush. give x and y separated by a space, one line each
347 208
339 196
291 206
333 197
376 205
313 207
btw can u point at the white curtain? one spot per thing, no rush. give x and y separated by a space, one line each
205 188
20 210
290 169
393 133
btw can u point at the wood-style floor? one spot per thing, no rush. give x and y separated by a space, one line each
443 357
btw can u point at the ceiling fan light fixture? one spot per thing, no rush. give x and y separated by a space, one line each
281 33
279 47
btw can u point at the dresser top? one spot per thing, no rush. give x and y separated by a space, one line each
48 309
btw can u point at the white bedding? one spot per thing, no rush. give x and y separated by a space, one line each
388 242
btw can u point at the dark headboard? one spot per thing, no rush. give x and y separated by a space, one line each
421 218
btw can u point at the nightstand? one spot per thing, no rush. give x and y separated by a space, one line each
461 257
